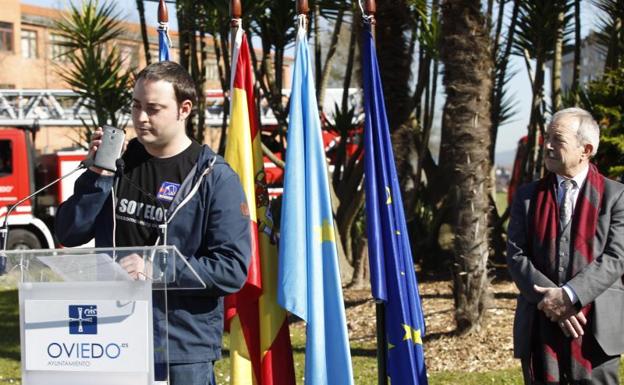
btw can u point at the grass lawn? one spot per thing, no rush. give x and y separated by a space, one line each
9 338
501 202
365 367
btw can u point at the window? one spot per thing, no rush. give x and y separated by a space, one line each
6 36
57 50
6 155
29 44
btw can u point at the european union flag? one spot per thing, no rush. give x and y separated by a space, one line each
308 276
163 44
393 278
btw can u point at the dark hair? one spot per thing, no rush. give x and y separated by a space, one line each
172 72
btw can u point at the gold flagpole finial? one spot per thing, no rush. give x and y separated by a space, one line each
163 14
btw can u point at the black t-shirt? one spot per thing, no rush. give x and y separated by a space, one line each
141 204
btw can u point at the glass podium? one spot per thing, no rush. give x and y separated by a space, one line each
85 320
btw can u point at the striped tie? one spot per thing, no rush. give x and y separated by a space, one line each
565 212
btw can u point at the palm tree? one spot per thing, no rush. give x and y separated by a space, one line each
96 72
612 31
465 53
395 63
535 38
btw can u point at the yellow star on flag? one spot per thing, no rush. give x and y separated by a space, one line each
324 233
412 334
388 196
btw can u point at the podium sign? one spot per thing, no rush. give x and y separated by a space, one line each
90 336
84 321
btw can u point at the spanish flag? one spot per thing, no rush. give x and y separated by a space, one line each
258 326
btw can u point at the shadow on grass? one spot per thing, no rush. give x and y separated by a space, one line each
355 352
506 295
437 295
436 336
9 324
357 302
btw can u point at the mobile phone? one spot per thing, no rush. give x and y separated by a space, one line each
110 149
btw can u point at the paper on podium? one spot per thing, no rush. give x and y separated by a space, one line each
86 267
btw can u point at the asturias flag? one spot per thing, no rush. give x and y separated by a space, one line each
309 280
393 278
163 43
260 348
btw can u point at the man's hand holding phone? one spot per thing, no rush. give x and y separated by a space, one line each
107 144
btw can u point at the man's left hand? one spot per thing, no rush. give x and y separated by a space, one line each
555 303
136 267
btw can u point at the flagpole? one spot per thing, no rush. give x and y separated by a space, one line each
370 8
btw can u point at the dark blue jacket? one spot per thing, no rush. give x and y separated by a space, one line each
208 223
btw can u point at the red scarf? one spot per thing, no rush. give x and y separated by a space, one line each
556 358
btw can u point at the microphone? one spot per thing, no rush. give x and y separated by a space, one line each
119 165
4 231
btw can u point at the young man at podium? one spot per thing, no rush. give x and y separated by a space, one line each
167 177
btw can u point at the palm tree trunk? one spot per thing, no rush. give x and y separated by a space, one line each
201 95
556 67
331 51
497 96
349 67
465 52
613 50
394 61
184 33
536 121
141 9
317 52
576 70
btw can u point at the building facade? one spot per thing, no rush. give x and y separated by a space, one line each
593 57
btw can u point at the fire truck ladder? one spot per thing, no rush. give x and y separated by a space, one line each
66 108
45 107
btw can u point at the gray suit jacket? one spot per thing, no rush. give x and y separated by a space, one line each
599 282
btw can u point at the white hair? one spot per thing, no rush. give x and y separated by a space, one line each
587 130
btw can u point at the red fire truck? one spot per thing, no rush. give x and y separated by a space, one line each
21 173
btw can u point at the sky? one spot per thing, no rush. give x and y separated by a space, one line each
508 134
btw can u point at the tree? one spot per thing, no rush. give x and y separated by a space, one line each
611 32
576 64
95 71
465 53
604 99
536 35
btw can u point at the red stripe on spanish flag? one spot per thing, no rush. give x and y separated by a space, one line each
259 336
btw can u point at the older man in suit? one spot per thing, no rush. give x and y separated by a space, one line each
566 255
